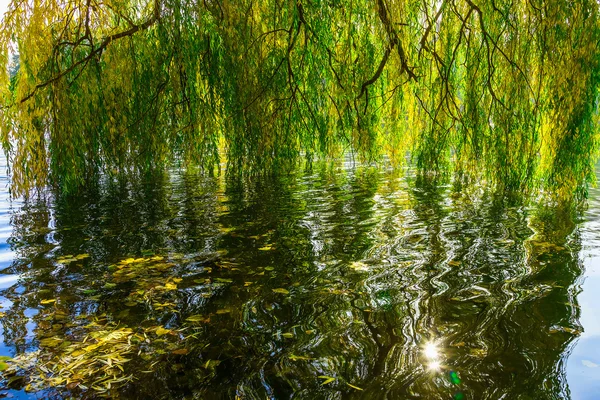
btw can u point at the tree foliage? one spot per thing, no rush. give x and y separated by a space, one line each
499 90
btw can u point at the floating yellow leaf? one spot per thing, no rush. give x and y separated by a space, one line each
281 290
162 331
295 357
196 318
353 387
328 379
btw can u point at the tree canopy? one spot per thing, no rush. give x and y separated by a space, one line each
498 90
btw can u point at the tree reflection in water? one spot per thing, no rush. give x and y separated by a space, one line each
335 283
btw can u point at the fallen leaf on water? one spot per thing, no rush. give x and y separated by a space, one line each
162 331
211 363
195 318
572 331
181 352
265 248
48 301
353 387
295 357
288 335
161 305
281 290
328 379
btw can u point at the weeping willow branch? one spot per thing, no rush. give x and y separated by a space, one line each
98 50
498 91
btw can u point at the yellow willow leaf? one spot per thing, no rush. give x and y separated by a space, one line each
196 318
328 379
160 331
353 387
265 248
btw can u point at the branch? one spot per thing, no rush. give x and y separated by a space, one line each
377 74
395 40
98 51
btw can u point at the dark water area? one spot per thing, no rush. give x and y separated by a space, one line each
339 283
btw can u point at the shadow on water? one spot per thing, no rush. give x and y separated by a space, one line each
335 284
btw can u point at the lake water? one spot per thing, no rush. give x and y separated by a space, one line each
339 283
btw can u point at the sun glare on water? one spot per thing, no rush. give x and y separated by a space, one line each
431 352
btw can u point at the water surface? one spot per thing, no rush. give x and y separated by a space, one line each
338 283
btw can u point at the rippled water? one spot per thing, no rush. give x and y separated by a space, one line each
339 283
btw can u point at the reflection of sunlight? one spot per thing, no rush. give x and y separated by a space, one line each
431 351
434 366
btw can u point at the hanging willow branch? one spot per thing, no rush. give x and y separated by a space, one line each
98 50
503 91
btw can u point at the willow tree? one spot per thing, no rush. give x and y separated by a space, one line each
499 90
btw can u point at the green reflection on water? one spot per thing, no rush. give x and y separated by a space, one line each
334 284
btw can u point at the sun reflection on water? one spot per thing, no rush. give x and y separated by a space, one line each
432 353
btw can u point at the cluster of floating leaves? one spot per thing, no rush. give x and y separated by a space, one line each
93 352
100 353
148 275
97 360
